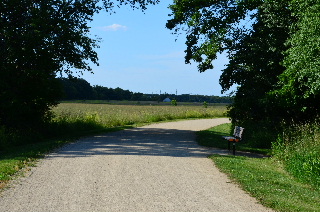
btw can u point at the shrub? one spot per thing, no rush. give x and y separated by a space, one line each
299 149
258 134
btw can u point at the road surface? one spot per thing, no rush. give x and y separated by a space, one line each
152 168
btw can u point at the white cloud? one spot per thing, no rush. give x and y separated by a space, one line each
113 27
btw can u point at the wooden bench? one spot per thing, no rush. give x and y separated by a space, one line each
237 136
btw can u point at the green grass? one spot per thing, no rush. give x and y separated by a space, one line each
213 138
15 158
18 158
149 103
121 115
299 149
265 179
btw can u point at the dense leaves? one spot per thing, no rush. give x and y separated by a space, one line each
273 50
38 40
211 26
300 82
255 64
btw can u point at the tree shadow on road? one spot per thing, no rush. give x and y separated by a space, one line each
140 142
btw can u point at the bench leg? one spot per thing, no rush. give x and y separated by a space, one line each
229 145
234 148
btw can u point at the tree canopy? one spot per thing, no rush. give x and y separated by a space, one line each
270 44
299 84
38 40
273 50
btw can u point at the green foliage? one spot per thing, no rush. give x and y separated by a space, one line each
299 87
76 88
253 34
274 89
205 104
210 26
255 66
174 102
273 49
302 61
38 40
299 148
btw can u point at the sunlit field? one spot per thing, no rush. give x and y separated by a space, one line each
121 115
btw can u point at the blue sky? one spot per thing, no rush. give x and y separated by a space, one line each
139 54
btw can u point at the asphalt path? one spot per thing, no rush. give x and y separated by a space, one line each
152 168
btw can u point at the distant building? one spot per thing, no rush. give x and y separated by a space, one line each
167 100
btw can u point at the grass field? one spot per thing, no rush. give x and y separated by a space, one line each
121 115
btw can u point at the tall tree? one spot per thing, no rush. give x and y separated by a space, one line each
299 86
253 33
256 62
38 40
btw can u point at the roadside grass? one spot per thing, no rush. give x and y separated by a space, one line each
299 148
266 179
72 121
18 157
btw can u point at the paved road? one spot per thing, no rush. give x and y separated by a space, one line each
153 168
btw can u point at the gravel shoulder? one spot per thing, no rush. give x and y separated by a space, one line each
158 167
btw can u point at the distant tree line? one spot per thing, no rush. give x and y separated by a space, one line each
80 89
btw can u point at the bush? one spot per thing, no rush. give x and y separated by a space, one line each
12 137
299 149
174 102
258 134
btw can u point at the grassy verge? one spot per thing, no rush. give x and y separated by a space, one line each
16 158
265 179
299 149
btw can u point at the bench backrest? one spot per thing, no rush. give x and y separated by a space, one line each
238 131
